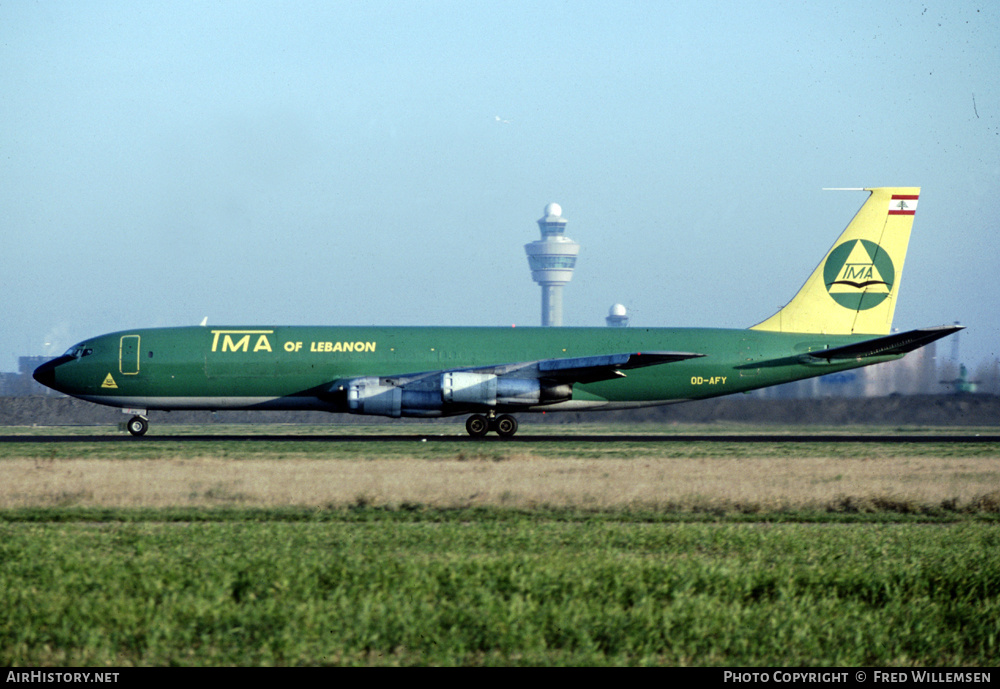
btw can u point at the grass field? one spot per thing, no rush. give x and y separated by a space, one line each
718 477
410 552
498 589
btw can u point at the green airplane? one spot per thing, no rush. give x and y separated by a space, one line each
839 320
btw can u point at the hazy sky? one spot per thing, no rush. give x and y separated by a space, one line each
342 162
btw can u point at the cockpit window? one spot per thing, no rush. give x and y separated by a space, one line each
79 351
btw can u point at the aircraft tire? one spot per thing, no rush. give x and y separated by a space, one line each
477 425
505 425
137 426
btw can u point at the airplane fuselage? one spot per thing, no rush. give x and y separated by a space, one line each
306 367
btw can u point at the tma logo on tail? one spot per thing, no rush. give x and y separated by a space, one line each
859 274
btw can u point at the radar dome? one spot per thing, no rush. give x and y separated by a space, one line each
617 310
553 209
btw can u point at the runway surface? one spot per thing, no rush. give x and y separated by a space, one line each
521 439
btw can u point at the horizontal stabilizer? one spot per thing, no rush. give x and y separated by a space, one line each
586 369
900 343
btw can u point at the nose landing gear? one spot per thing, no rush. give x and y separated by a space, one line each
478 425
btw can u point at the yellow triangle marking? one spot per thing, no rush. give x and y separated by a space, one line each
109 382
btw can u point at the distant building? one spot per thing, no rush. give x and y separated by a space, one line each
21 384
914 374
617 317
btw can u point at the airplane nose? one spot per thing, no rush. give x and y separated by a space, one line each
46 373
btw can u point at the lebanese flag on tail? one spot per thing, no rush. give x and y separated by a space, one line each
903 204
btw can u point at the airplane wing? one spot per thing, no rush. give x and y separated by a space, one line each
580 369
589 369
515 385
898 343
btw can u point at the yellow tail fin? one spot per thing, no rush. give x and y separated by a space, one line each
854 288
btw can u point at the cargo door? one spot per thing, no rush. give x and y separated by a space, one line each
128 355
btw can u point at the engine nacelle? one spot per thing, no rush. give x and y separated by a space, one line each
384 398
451 392
489 390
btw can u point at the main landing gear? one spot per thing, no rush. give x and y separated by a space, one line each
137 425
478 425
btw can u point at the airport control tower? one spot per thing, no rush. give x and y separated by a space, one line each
552 259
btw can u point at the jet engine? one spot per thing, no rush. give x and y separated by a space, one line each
450 392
